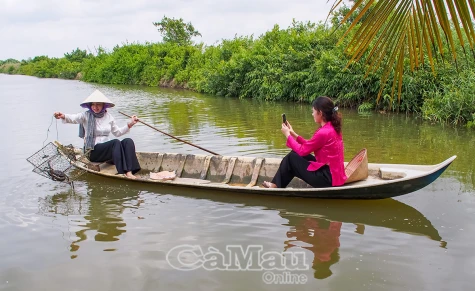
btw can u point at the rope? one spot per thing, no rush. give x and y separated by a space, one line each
47 131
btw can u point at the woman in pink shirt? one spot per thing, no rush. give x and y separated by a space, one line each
326 167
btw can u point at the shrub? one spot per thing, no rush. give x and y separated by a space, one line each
455 103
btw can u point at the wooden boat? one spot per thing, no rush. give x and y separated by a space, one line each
246 174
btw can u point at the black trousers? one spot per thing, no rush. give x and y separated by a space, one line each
122 153
293 165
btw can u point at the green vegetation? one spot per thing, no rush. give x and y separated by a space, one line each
455 103
9 61
67 67
176 31
392 33
295 64
9 66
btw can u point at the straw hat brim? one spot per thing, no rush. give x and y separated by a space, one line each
97 96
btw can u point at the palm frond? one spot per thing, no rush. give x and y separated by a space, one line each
419 29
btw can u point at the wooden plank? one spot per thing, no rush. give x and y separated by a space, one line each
189 181
181 166
159 162
98 166
205 169
93 166
255 173
230 169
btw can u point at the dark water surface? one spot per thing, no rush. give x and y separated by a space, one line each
115 235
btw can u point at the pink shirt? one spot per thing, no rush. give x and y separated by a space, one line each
327 145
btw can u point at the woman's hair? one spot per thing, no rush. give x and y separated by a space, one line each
329 111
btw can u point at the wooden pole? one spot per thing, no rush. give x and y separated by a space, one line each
179 139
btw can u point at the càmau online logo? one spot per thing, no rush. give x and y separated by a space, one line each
234 258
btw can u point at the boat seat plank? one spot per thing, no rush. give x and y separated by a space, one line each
158 163
179 171
229 171
108 169
98 166
205 169
255 173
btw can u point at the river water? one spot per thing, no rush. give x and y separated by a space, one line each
118 235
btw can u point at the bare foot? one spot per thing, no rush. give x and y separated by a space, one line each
163 175
269 184
130 175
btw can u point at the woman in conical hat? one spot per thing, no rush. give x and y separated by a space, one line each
95 125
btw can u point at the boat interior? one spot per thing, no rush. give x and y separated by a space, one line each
241 171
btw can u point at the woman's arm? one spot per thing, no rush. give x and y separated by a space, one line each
298 138
118 131
71 118
294 134
306 147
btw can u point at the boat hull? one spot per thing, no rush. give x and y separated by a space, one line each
364 192
245 175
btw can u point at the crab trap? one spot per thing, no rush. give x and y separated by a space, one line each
56 164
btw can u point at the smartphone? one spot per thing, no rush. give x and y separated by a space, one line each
284 118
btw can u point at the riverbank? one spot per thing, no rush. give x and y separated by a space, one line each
295 64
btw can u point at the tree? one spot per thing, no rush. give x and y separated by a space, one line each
176 31
394 29
38 59
10 61
76 55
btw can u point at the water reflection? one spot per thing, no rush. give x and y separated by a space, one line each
386 213
312 224
322 238
102 211
316 226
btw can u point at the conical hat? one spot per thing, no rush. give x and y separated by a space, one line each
97 96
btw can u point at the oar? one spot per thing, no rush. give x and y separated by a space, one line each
179 139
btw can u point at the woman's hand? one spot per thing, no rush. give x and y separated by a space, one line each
292 132
133 121
59 115
285 130
289 126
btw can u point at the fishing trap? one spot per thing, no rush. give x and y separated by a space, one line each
56 163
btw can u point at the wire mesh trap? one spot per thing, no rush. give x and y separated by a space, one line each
56 164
